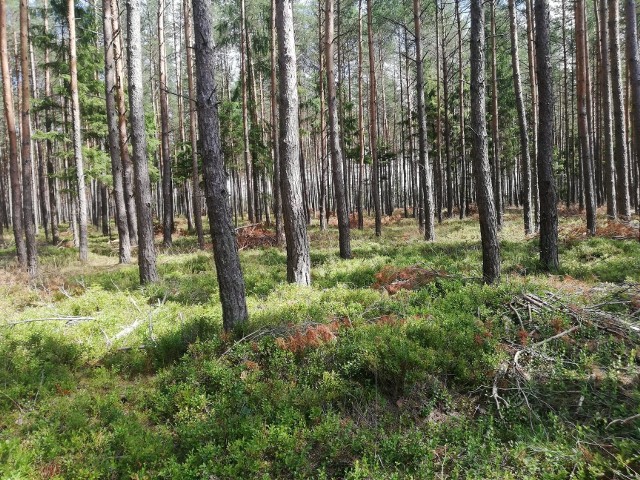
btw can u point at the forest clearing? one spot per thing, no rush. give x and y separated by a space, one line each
398 363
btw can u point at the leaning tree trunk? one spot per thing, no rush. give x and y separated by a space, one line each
481 167
546 181
225 250
584 134
146 247
295 222
77 135
124 246
10 119
525 152
167 190
620 131
334 138
425 166
28 209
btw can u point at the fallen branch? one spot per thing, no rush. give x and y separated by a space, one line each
68 320
623 421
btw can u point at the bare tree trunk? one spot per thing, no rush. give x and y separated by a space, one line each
360 124
481 167
425 166
298 257
495 134
334 138
228 270
582 72
463 147
128 184
248 161
324 160
195 176
277 190
522 121
77 135
531 54
124 246
373 123
146 247
546 181
10 119
167 190
633 65
605 94
28 203
620 133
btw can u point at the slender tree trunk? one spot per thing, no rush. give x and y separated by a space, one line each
334 137
495 134
146 247
28 203
522 121
373 123
77 135
481 167
10 119
582 72
167 190
546 181
195 175
620 133
463 147
425 166
324 159
124 246
360 206
605 94
228 270
277 190
633 65
531 54
295 226
248 162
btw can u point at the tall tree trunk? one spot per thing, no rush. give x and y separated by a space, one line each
28 208
373 123
425 166
248 161
481 167
582 72
295 226
277 190
195 176
605 94
495 134
10 119
77 135
228 270
546 181
463 147
531 54
334 138
522 121
360 206
146 247
124 245
324 159
633 65
620 133
167 190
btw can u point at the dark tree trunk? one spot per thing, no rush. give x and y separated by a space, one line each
295 225
334 138
277 191
124 246
633 64
495 133
167 190
228 270
546 181
146 247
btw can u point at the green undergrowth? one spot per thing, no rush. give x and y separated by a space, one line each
337 380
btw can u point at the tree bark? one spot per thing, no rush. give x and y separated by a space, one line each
277 190
10 119
77 135
373 123
633 65
546 181
248 161
28 203
360 206
295 226
334 138
463 147
481 167
167 190
425 166
146 247
495 134
124 245
228 270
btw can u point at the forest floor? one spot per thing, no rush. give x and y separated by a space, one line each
398 363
